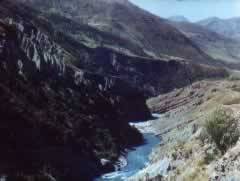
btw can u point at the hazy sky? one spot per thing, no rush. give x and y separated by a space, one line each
192 9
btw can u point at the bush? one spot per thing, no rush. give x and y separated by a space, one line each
223 129
209 157
214 90
203 136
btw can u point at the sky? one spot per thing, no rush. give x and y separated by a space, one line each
193 10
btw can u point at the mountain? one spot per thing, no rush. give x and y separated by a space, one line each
57 115
66 104
148 74
227 27
57 119
215 45
178 19
126 21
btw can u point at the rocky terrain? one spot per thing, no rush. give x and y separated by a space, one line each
68 94
51 105
192 155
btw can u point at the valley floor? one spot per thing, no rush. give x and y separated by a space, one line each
186 152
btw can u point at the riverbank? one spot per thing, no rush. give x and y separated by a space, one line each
186 153
137 158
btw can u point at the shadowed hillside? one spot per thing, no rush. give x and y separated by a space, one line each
123 19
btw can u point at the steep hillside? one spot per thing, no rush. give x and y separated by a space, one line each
192 154
227 27
125 20
55 115
149 75
216 45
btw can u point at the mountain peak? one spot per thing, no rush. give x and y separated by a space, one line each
210 20
178 18
226 27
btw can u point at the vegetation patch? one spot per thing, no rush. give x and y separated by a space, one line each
198 174
222 127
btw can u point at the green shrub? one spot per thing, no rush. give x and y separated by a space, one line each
209 157
214 90
203 136
223 129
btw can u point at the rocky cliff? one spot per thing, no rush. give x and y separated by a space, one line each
56 115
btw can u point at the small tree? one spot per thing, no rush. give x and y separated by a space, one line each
223 129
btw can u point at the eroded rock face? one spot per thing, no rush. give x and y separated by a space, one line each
152 76
125 20
57 114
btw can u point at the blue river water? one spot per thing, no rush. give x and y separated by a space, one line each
136 159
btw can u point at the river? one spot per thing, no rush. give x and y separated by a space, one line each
136 158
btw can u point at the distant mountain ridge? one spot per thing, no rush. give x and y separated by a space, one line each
212 43
227 27
178 18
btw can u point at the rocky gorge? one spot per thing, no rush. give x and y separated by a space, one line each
192 155
72 98
25 81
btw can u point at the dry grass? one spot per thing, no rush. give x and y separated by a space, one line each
225 96
194 169
191 150
198 174
232 101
